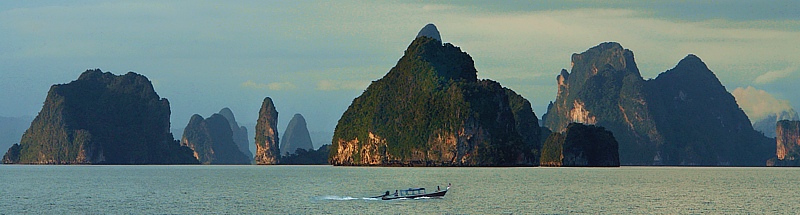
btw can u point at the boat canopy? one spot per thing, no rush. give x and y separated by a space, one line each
412 191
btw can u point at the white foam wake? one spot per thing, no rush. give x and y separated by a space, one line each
346 198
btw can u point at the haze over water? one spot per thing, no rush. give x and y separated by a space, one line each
343 190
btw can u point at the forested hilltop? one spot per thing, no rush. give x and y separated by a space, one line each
430 109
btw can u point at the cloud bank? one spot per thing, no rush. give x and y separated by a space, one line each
758 104
772 76
272 86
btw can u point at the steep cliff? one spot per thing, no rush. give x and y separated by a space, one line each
239 132
211 140
266 138
683 117
788 140
606 89
102 118
430 109
296 136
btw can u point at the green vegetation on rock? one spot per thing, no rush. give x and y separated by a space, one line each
308 157
430 109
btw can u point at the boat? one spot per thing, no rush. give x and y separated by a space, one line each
413 193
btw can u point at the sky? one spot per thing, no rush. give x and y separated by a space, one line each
315 57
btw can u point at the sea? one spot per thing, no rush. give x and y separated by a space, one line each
42 189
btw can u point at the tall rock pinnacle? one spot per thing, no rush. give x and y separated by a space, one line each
296 136
266 139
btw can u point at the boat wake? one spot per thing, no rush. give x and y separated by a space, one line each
350 198
345 198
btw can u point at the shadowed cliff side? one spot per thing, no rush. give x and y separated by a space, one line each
685 116
239 132
211 140
102 118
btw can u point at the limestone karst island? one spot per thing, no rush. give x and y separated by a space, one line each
430 109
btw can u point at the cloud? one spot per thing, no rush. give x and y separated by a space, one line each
334 85
272 86
772 76
758 104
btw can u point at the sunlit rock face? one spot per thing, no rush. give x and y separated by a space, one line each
266 140
788 140
685 116
787 151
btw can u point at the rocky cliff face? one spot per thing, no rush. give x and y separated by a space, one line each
211 140
431 110
266 139
239 132
606 89
296 136
683 117
102 118
788 144
788 140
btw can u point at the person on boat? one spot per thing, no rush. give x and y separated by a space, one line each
395 192
386 194
437 188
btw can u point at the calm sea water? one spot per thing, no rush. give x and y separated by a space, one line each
342 190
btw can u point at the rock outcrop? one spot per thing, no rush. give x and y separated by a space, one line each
296 136
266 139
581 146
788 144
211 140
431 110
102 118
239 132
683 117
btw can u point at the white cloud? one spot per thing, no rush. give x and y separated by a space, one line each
772 76
334 85
272 86
758 104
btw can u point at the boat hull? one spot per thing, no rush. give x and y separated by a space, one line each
437 194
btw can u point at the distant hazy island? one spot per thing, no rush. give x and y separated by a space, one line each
430 109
